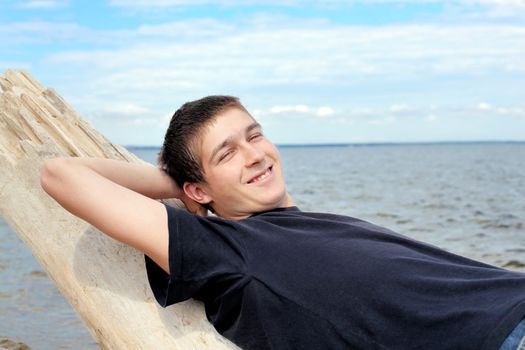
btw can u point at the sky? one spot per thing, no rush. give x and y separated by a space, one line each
327 71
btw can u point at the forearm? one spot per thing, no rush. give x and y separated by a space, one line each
145 179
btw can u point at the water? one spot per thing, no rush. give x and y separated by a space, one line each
465 198
31 308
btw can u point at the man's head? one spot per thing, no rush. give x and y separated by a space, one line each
178 156
217 153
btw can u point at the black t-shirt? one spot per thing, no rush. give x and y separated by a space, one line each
286 279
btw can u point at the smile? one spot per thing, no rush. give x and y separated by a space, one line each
262 176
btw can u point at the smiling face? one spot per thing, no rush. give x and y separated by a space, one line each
242 168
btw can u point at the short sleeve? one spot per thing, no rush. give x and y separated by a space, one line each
203 252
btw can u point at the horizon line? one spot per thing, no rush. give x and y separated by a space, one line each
378 143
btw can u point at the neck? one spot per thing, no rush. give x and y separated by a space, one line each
285 203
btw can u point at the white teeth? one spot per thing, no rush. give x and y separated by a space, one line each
259 178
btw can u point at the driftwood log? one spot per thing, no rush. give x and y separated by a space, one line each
104 280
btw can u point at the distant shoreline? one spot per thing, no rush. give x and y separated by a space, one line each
364 144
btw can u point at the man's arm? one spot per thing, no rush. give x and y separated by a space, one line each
117 197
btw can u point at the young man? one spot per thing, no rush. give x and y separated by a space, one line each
270 275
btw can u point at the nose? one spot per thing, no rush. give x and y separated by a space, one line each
252 155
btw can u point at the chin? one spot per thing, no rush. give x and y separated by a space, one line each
275 200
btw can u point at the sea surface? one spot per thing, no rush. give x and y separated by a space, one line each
468 198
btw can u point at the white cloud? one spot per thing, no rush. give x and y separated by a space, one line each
17 33
273 56
510 111
364 112
157 67
321 112
141 121
196 28
431 118
126 109
324 111
354 48
496 4
399 108
479 10
126 113
484 106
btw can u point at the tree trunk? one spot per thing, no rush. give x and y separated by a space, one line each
104 280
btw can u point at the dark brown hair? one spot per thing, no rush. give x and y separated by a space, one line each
178 155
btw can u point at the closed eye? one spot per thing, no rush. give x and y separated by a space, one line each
225 155
255 136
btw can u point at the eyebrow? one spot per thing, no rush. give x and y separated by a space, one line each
229 140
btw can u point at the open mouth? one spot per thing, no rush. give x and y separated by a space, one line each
262 176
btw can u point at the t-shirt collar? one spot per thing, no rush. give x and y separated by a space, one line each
275 210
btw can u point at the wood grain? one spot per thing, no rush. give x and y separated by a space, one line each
104 280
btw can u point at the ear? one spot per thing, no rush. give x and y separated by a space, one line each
197 192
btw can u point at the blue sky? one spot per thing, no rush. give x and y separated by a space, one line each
310 71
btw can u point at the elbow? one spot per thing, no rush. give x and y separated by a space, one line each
50 174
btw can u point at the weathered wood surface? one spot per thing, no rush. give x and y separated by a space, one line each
104 280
